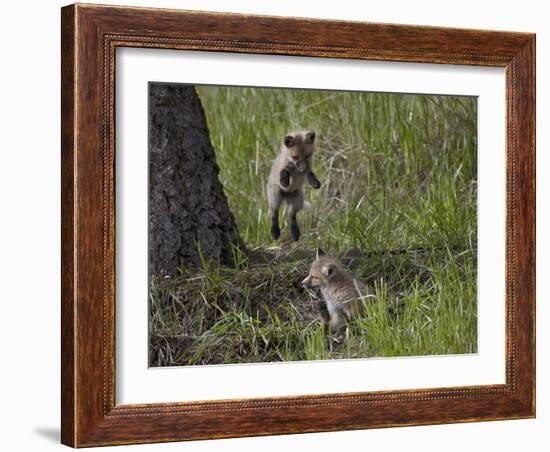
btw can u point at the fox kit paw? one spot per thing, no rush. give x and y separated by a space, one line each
313 181
285 178
275 232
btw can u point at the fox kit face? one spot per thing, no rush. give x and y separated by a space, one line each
300 147
322 272
342 295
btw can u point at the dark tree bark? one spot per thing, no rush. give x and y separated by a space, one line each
187 204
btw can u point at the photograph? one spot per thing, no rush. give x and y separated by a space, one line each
297 224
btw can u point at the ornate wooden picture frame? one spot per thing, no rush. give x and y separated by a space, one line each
90 37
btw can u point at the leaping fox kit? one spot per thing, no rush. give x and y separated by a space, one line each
341 293
286 180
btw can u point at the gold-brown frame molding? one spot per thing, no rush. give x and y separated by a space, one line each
90 36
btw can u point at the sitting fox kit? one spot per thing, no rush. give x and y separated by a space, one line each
341 293
286 180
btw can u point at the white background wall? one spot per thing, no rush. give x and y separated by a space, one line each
29 224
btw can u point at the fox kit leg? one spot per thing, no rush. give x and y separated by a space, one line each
296 201
274 199
311 177
336 322
323 312
312 180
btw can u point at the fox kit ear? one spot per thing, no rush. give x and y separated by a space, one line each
328 270
289 141
310 137
320 252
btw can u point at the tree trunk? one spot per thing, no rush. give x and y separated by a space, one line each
188 209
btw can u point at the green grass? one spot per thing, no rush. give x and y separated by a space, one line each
398 172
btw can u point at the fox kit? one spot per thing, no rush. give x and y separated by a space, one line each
286 180
341 293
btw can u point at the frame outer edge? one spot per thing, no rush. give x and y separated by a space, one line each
68 216
526 219
86 420
534 230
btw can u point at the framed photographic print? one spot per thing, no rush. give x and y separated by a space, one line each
269 232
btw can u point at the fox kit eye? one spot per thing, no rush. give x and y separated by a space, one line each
289 141
310 137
